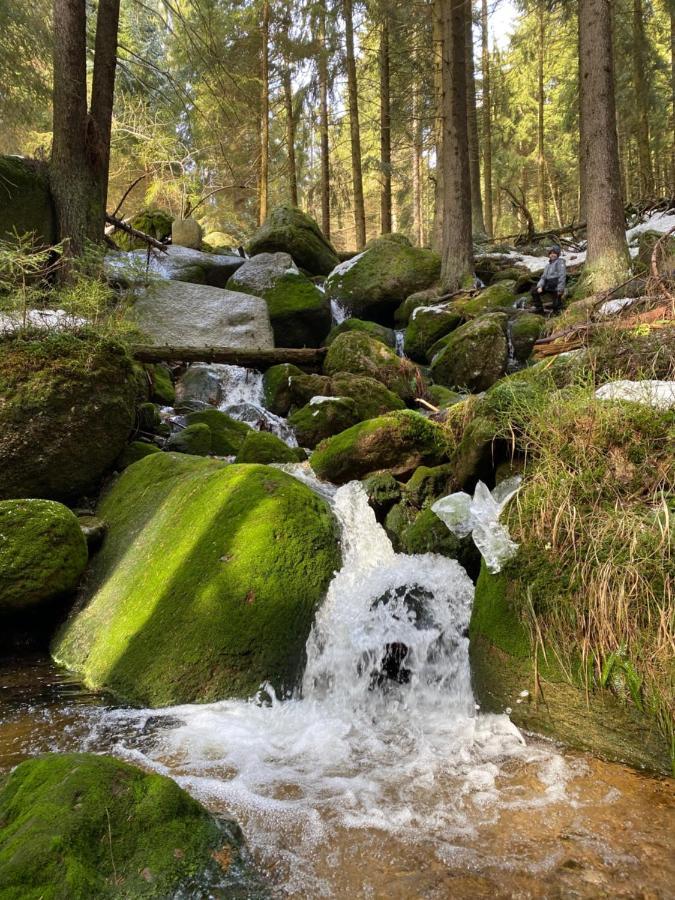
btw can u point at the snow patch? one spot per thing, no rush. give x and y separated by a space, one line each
659 394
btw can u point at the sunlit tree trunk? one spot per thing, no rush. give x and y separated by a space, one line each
437 30
541 160
323 122
355 130
385 125
640 63
607 261
418 215
290 135
472 119
487 120
671 7
457 251
263 181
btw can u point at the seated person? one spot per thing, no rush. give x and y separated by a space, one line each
553 280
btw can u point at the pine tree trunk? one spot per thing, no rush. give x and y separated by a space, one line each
640 63
385 126
290 135
263 181
102 97
671 6
437 26
457 253
607 261
487 121
355 131
541 161
323 123
478 223
418 216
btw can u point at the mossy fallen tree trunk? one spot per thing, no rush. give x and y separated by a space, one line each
310 359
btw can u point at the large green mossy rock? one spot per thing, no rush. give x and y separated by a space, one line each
43 553
498 296
321 418
289 230
372 329
276 387
227 434
76 826
303 387
359 354
474 356
503 668
26 205
399 441
193 439
426 326
371 397
134 451
66 409
299 312
151 221
264 447
375 282
525 330
206 584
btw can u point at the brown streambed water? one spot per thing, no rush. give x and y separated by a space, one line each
608 832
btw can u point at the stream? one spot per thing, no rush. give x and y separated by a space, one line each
381 778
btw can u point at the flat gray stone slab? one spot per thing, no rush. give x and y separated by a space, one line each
177 264
177 314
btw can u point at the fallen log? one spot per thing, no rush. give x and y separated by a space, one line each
311 359
134 232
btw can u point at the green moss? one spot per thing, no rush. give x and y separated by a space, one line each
299 312
474 356
194 439
375 331
398 519
180 613
399 441
382 489
359 354
152 221
371 397
494 617
427 484
227 434
147 418
163 391
276 387
427 534
289 230
499 295
133 452
317 421
303 387
263 447
26 204
42 552
426 326
80 826
405 310
525 330
66 409
443 397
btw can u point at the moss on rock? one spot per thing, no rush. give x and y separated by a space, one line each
359 354
525 329
374 283
227 434
426 326
276 387
371 397
383 490
43 553
134 451
263 447
289 230
79 826
162 389
372 329
426 533
193 439
474 356
322 418
152 221
443 397
405 310
428 483
26 205
66 410
398 441
497 296
182 613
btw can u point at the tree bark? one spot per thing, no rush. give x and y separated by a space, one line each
103 95
385 124
437 28
323 123
640 64
418 217
671 7
477 220
250 359
263 181
290 135
354 127
607 261
457 253
487 121
541 161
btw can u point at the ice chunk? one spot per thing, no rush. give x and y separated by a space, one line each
479 516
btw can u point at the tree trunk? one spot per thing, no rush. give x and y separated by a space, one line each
640 64
541 161
323 123
477 221
263 183
487 121
437 26
607 262
290 135
457 253
102 97
355 131
418 216
385 125
671 7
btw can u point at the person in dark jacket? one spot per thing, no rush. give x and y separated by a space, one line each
553 281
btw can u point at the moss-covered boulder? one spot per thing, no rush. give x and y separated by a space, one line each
134 451
81 826
26 204
193 439
289 230
426 326
404 311
359 354
152 221
399 441
321 418
426 533
375 282
372 329
525 329
66 409
206 584
665 256
383 490
162 390
428 483
299 311
474 356
500 295
443 397
263 447
227 434
42 553
276 387
303 387
371 397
